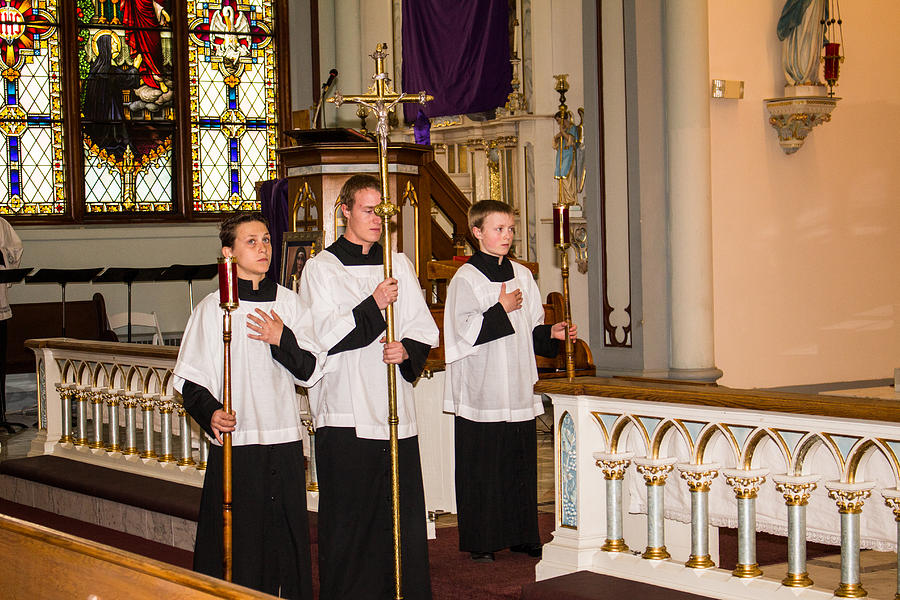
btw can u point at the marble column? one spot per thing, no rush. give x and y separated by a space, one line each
699 479
614 465
655 472
796 490
745 483
687 85
892 499
849 498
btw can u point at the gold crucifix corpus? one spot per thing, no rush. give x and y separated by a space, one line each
381 100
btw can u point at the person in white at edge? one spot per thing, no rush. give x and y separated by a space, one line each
344 286
270 527
493 326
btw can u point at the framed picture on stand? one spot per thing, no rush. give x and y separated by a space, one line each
297 247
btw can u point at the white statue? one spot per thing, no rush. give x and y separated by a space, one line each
801 29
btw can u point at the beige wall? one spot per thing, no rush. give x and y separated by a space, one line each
806 247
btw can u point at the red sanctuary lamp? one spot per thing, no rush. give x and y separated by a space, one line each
834 40
228 301
833 60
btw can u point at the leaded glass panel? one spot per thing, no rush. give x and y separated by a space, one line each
127 104
32 164
233 102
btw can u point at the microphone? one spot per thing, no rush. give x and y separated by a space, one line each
332 75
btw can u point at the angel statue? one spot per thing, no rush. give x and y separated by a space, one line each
569 146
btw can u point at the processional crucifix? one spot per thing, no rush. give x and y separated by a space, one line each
381 100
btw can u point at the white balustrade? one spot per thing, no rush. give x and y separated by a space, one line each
124 405
769 449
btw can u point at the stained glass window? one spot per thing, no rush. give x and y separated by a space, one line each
127 96
124 80
231 61
32 161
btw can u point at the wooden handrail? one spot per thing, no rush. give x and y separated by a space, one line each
120 348
40 562
450 200
697 394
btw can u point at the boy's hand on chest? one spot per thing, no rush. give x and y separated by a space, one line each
510 301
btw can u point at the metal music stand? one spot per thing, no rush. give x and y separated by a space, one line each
62 277
189 273
8 276
128 275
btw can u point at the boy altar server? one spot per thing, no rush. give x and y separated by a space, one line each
270 528
341 287
492 327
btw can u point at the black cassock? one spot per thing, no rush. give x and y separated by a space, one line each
496 461
356 551
270 528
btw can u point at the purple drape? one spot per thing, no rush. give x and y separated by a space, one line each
458 52
273 196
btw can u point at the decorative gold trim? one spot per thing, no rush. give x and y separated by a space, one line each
167 458
312 487
654 474
797 580
659 553
700 562
747 571
850 590
699 481
613 468
745 487
618 545
185 462
849 502
796 494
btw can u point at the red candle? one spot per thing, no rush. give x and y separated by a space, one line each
560 224
228 282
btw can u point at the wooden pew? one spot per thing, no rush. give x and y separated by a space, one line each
39 562
85 320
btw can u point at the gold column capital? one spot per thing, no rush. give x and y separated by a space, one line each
745 482
655 472
699 477
796 489
892 500
614 464
849 497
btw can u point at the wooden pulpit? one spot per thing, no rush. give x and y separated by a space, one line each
324 159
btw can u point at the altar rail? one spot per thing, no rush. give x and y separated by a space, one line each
775 451
126 415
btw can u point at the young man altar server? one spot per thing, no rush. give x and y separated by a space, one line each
493 325
270 529
345 291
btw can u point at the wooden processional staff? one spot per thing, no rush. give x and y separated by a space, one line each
381 100
228 301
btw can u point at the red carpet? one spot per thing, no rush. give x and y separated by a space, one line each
454 576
